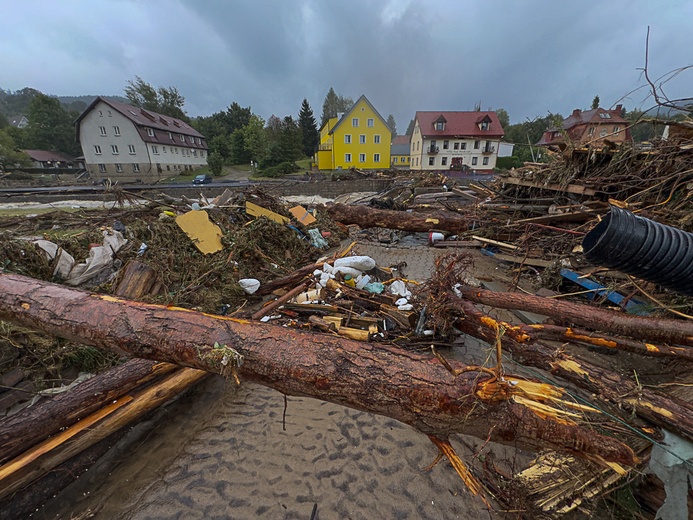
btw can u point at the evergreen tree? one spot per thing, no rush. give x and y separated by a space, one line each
333 105
595 102
392 125
410 128
310 137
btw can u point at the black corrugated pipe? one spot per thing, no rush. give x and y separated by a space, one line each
643 248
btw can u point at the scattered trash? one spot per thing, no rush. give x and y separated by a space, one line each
249 285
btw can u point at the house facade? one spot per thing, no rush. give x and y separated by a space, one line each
127 143
19 121
360 138
400 152
595 128
455 140
48 159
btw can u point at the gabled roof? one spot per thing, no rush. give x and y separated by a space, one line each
596 115
401 139
348 112
459 124
47 156
144 118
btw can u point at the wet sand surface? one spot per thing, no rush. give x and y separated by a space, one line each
226 452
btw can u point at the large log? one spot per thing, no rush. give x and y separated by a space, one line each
20 431
644 328
368 217
667 412
415 389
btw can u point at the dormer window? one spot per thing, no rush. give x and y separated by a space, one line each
440 125
484 125
150 132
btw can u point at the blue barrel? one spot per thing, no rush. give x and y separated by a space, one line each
642 248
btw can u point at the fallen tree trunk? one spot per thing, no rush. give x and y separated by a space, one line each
367 217
666 412
644 328
413 388
32 425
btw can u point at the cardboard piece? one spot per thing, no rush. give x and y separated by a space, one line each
259 211
205 235
302 215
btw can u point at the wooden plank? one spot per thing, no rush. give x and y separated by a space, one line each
258 211
458 243
534 262
570 188
494 242
203 232
302 215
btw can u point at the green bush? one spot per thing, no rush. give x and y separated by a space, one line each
506 163
281 169
215 163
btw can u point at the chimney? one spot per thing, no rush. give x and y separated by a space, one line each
618 109
576 112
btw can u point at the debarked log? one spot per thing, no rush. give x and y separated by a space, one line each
367 217
413 388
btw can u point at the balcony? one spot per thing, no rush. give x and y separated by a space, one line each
431 150
325 147
488 149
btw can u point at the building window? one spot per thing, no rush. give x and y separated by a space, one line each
114 149
155 150
109 113
102 168
355 122
617 129
484 125
446 145
150 132
97 149
440 125
376 157
362 139
119 168
474 161
477 143
376 138
347 138
443 161
135 167
590 131
116 130
182 138
202 153
170 136
197 140
394 160
605 115
371 123
431 161
347 157
194 153
456 146
131 149
102 129
100 113
463 146
362 157
603 132
485 161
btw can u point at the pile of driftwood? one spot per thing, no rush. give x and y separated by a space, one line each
356 346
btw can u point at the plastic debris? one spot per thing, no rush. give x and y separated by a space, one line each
249 285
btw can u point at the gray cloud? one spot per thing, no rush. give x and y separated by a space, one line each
528 57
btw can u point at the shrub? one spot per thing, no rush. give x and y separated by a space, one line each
215 163
506 163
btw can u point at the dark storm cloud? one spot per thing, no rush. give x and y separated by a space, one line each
528 57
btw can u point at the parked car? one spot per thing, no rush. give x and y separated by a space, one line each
202 179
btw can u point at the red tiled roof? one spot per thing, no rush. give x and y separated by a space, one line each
147 118
401 139
47 156
459 124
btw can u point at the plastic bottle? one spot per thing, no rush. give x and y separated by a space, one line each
349 280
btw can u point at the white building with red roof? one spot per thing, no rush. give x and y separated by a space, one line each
455 140
123 142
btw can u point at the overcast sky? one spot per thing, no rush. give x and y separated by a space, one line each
530 57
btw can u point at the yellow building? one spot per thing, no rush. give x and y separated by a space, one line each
358 139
